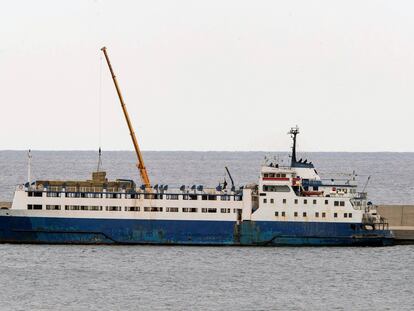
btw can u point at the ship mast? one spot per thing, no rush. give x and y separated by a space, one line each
141 167
293 132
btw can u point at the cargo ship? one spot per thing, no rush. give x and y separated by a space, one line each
290 205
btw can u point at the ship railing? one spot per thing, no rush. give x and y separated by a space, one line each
375 222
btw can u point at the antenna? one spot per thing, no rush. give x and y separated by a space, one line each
29 167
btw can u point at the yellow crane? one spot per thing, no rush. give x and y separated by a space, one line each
140 164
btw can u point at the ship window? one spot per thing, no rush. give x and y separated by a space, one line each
225 210
52 194
212 197
271 175
72 207
296 201
265 175
34 206
172 209
132 208
283 214
323 214
317 214
152 209
53 207
277 214
209 210
336 203
131 196
237 198
95 208
350 215
326 202
35 193
204 197
305 201
295 214
314 201
283 175
264 200
345 215
225 198
149 196
342 203
272 201
193 197
113 208
335 215
189 210
272 188
304 214
172 196
284 201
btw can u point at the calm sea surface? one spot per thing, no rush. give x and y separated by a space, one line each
207 278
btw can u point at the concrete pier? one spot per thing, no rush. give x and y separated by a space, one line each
401 221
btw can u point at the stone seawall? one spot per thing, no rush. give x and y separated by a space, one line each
401 221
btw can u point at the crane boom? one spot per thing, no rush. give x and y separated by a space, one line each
140 165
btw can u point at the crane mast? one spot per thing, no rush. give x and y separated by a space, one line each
140 165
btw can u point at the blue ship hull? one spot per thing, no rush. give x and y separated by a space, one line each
48 230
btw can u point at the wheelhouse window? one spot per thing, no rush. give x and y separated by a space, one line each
273 188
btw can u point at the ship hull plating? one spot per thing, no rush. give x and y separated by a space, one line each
56 230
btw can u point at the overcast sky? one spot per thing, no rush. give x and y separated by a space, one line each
208 75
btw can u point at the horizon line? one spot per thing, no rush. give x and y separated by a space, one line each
230 151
